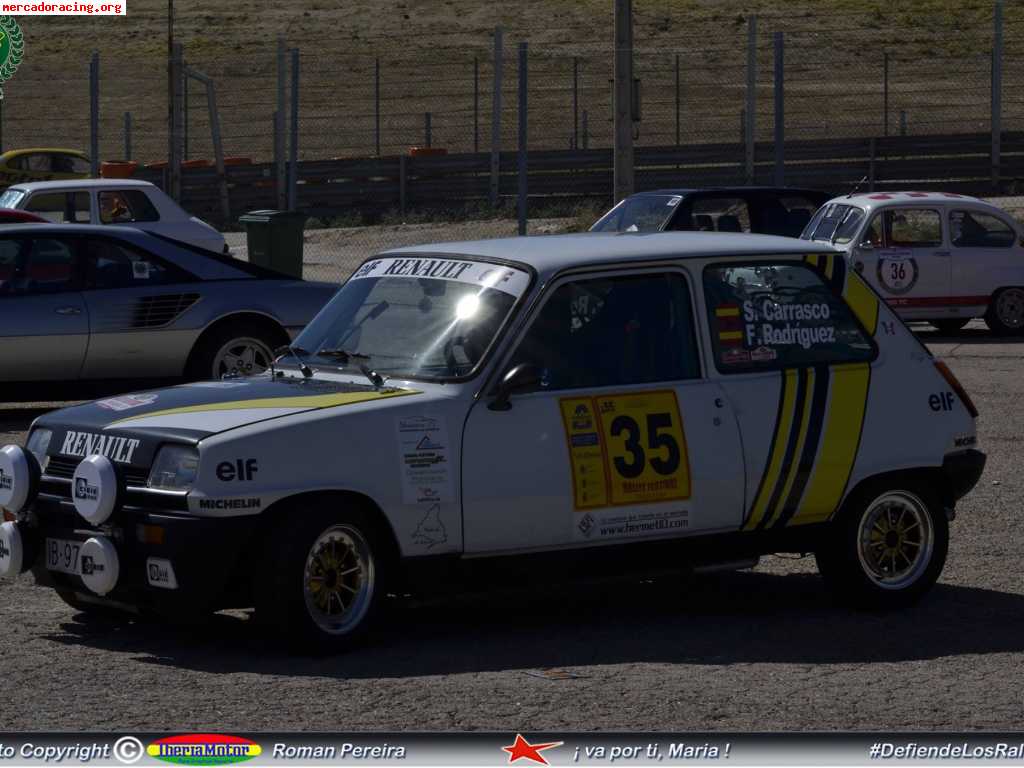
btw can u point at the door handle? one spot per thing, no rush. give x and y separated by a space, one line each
68 311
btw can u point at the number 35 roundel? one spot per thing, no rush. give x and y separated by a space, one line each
897 273
626 449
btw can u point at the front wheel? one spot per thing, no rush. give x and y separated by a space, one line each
1005 315
322 579
235 349
887 548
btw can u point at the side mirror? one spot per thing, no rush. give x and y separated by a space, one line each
524 377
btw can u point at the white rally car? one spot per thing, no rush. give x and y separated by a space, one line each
581 403
934 256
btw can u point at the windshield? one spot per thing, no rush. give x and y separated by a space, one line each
10 198
834 223
640 213
414 317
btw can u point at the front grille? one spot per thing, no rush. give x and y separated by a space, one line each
59 466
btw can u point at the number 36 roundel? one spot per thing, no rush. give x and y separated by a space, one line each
626 449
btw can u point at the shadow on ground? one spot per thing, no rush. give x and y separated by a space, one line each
730 619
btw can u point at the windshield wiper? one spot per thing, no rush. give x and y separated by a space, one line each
297 353
345 356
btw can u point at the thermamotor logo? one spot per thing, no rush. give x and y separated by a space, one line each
12 47
6 481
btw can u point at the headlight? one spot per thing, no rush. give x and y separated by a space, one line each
38 444
174 468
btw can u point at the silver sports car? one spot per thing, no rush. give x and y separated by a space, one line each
79 302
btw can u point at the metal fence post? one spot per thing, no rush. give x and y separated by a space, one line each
678 105
903 122
750 119
127 135
376 106
997 93
872 155
279 128
293 144
476 104
623 176
496 117
780 116
215 138
523 137
585 130
174 161
575 102
184 114
403 180
885 94
94 114
427 132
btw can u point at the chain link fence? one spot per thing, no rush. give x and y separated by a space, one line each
847 74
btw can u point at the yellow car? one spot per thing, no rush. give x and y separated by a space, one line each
21 165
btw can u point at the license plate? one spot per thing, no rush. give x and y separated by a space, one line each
64 556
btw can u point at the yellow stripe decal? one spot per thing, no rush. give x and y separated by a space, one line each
805 419
782 428
812 259
305 401
863 301
730 335
841 439
830 261
727 312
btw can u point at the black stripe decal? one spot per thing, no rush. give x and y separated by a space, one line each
794 437
771 448
810 450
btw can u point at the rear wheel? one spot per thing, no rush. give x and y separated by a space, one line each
887 548
950 326
1005 315
238 348
322 584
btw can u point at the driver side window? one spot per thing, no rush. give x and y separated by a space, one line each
613 331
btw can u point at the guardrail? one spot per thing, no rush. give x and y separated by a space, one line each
958 163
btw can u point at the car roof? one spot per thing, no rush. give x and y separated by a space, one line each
910 197
548 254
61 150
35 186
687 191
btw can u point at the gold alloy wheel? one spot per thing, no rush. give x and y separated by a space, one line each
895 540
338 579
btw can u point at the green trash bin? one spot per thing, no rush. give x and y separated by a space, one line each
274 240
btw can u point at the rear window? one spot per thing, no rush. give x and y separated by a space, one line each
774 315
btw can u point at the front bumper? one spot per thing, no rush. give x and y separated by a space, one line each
963 471
205 554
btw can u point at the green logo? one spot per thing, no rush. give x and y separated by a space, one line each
12 47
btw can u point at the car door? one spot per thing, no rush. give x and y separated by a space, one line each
623 437
986 257
134 299
906 258
44 323
61 207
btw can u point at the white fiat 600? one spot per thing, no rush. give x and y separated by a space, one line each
934 256
575 404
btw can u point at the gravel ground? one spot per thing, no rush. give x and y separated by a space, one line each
763 650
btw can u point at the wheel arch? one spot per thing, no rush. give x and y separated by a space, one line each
255 317
929 478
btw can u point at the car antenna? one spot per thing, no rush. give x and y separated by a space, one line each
857 186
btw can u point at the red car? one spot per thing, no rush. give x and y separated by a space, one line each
11 216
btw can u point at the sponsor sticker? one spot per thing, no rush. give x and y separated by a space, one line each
251 502
425 459
126 402
119 449
500 278
204 749
897 271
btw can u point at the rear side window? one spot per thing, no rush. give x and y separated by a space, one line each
912 228
774 315
973 229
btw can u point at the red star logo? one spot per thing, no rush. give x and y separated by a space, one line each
523 749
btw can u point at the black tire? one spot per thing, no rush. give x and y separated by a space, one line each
861 580
951 326
201 361
286 600
997 318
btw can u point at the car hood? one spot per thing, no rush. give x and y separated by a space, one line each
129 428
